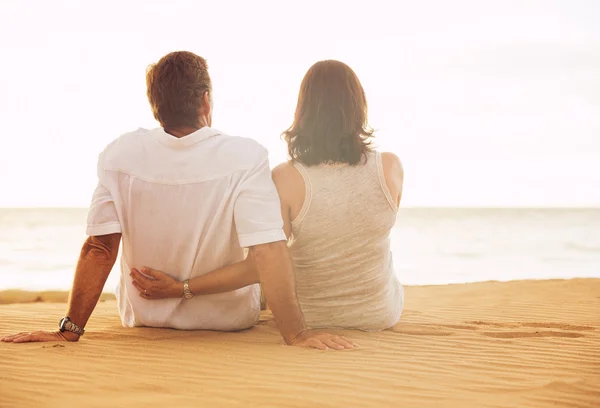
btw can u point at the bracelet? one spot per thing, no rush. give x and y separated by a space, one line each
296 337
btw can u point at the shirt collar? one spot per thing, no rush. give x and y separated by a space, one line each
186 141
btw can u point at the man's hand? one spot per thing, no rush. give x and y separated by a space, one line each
322 341
26 337
154 284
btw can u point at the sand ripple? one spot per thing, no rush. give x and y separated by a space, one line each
518 344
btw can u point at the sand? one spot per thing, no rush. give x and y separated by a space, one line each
516 344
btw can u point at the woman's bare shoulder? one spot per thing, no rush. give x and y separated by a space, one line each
286 173
391 164
394 175
290 186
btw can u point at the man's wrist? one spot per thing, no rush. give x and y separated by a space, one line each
69 336
289 340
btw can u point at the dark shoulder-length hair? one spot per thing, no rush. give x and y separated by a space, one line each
330 123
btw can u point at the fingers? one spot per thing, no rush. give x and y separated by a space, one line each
325 341
151 272
11 337
29 337
137 279
345 342
139 287
138 276
146 273
26 337
143 284
144 292
317 344
337 342
333 344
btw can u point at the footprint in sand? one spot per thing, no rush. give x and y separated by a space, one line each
570 331
521 335
420 329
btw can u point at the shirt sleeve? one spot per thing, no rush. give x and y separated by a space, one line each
257 211
102 217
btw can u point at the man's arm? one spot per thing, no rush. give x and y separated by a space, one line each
274 267
259 226
96 260
97 257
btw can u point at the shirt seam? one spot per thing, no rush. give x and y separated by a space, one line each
269 234
104 225
175 183
269 231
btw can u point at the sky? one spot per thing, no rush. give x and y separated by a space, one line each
487 103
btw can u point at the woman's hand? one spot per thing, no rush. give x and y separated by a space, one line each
154 284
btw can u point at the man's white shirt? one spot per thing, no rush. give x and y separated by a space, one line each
185 206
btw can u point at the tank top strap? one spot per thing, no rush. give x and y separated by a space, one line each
383 183
308 192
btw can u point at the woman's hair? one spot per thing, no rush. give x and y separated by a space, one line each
176 86
330 123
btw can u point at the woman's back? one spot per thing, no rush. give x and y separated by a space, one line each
340 247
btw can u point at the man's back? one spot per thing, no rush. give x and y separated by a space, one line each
186 206
185 198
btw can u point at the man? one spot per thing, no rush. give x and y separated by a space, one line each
185 198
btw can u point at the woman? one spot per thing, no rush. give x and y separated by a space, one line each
339 201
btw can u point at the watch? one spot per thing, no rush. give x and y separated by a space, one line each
187 293
67 325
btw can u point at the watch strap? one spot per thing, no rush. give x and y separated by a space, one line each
67 325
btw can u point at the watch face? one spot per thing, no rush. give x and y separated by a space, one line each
62 324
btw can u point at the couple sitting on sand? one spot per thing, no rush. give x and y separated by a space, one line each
185 199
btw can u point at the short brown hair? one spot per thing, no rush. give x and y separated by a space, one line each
176 86
330 123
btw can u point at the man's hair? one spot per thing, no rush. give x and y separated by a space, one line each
176 86
330 124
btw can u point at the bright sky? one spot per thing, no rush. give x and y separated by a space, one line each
487 103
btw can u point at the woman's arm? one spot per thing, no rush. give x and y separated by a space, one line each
154 284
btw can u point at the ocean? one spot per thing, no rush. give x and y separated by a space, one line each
39 247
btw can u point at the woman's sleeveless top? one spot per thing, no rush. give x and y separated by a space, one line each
340 247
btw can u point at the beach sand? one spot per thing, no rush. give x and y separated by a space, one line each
516 344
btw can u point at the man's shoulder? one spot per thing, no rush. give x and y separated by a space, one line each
243 144
240 151
126 143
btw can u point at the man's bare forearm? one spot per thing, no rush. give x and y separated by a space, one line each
232 277
97 257
275 269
